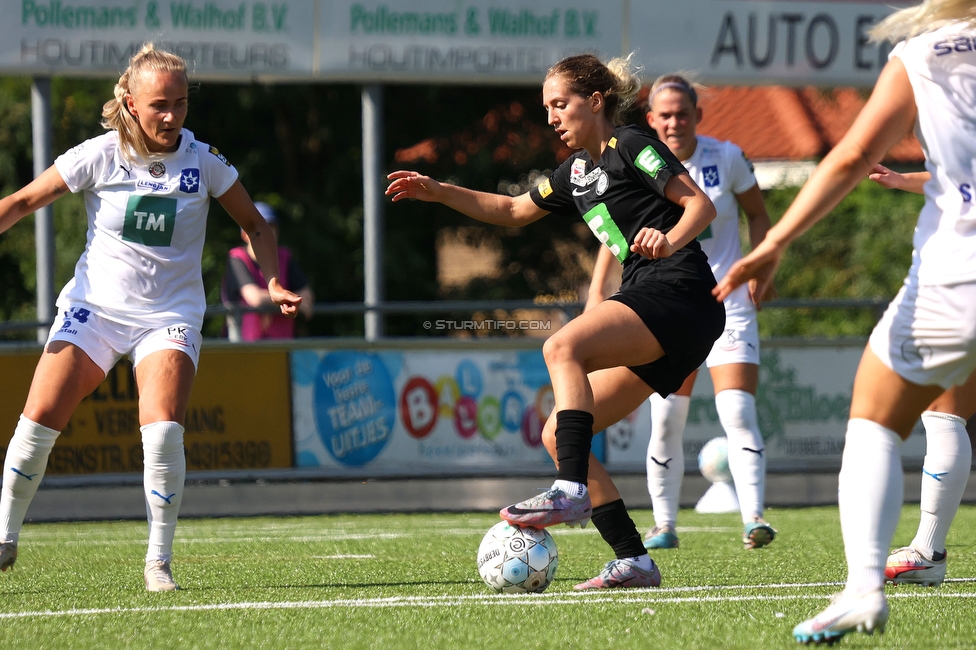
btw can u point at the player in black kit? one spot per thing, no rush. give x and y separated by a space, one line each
640 202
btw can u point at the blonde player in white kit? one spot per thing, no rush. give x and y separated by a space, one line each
137 289
727 177
926 341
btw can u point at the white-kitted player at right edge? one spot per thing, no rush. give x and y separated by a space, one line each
925 343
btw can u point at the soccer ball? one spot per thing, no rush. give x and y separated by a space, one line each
713 460
517 559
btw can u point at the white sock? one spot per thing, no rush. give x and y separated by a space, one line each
747 457
870 492
23 470
573 489
162 444
665 456
948 457
641 561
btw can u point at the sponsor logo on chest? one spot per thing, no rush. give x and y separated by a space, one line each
579 177
149 220
152 186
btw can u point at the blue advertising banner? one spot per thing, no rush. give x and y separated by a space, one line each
402 412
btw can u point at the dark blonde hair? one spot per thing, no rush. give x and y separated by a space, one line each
617 80
115 112
925 17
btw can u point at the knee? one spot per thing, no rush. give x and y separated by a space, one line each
558 349
736 410
162 438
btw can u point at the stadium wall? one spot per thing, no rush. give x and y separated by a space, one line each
423 408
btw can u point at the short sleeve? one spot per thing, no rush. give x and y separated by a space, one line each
555 194
220 174
652 161
79 166
742 172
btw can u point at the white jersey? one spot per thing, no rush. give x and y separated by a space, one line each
146 226
942 69
721 170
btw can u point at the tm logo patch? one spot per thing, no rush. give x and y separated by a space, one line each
149 220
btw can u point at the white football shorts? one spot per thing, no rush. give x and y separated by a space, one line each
739 343
106 341
928 333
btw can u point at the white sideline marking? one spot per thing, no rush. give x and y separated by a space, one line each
642 596
344 557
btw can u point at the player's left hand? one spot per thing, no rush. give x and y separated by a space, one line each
286 300
652 244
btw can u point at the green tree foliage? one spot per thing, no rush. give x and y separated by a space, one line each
298 147
75 116
862 249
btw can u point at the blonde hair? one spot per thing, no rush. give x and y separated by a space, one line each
925 17
617 80
115 112
674 81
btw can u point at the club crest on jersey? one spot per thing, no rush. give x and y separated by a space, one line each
602 183
190 180
710 175
219 155
157 169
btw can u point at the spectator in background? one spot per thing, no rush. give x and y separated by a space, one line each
244 285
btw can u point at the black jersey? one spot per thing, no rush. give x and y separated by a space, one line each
621 194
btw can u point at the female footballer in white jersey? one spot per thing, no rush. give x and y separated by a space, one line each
137 289
926 341
640 202
948 454
726 176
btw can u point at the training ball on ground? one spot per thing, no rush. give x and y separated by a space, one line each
517 559
713 460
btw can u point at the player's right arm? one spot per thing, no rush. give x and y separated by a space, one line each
35 195
490 208
886 117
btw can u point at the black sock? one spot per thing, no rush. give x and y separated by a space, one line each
574 435
618 529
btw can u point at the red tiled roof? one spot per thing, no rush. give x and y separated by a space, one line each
778 123
768 122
